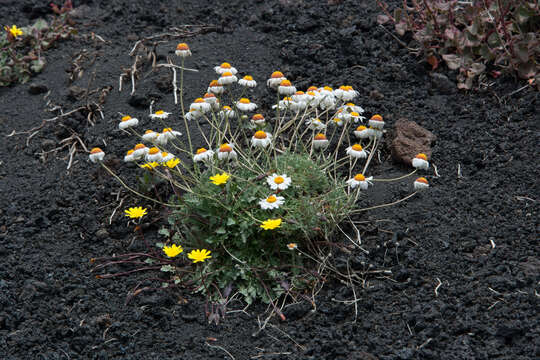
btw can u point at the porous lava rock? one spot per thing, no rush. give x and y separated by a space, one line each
409 140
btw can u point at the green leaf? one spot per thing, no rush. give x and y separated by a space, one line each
37 65
160 245
230 222
149 261
221 231
167 268
40 24
164 231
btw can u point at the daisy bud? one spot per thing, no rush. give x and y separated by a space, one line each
285 88
182 50
96 154
139 151
258 119
153 154
129 156
362 132
226 152
421 183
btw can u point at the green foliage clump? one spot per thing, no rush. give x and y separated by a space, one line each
471 36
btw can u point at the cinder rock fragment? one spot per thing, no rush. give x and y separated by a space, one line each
409 140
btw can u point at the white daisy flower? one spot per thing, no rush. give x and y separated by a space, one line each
352 107
292 246
139 151
247 81
261 139
128 121
225 67
245 105
193 115
285 88
165 156
203 155
215 87
162 139
258 119
129 156
359 180
226 152
275 79
296 106
278 182
200 105
153 154
313 98
421 183
337 120
356 117
150 135
283 104
182 50
300 96
320 142
227 112
356 151
376 122
96 154
160 114
227 78
210 98
315 124
345 93
327 98
420 162
376 133
362 132
272 202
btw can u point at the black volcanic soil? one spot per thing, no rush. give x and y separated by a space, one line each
475 235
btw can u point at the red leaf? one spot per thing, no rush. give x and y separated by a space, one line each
432 60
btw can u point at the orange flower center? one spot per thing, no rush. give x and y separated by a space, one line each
285 83
199 100
279 180
248 77
149 132
126 118
153 151
95 150
299 93
139 146
357 147
377 117
227 73
225 65
359 177
287 98
130 152
201 150
182 46
349 104
361 128
276 74
214 83
421 156
260 135
227 107
164 154
311 93
422 180
167 129
312 88
271 199
354 113
225 148
208 95
342 87
320 137
327 88
244 101
258 117
160 112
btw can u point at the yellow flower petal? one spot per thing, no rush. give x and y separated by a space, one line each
136 212
271 224
173 250
220 179
199 255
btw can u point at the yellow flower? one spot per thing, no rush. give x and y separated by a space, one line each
15 31
172 251
172 163
271 224
136 212
199 255
220 179
150 165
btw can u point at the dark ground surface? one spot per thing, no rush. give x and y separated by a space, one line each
53 220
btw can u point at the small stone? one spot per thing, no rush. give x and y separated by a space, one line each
376 95
37 88
47 144
410 139
442 84
102 234
138 101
